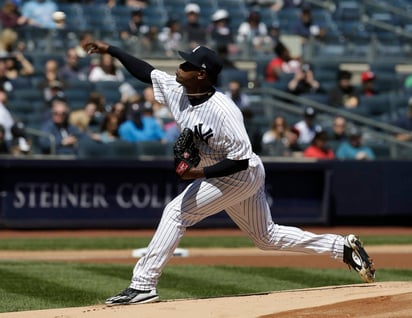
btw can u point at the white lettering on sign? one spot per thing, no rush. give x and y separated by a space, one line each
143 195
55 195
91 195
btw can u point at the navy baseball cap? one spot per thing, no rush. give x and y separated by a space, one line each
205 58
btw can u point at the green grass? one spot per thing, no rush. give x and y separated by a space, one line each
41 285
85 243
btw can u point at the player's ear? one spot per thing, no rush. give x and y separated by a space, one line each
202 74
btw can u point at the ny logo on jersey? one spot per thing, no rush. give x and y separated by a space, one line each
202 136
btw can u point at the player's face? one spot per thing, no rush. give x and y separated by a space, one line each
187 73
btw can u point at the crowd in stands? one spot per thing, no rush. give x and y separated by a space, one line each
71 96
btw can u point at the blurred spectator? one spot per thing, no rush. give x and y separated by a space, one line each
119 109
304 81
286 145
6 119
367 87
5 82
306 27
405 122
307 126
194 34
84 38
141 126
18 65
40 13
109 129
338 132
20 143
87 120
135 3
71 70
353 149
55 89
283 63
220 32
277 131
318 147
344 94
51 74
235 92
160 111
223 52
293 147
274 5
274 32
10 16
4 146
253 33
98 99
8 41
136 36
170 37
66 135
106 70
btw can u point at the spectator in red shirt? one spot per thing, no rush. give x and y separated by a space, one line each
318 148
282 63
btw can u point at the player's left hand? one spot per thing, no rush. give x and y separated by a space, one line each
186 154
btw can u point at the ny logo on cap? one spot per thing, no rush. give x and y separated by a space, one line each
196 48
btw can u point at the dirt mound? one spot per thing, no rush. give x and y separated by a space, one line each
386 299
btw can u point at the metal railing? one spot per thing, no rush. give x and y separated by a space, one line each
274 99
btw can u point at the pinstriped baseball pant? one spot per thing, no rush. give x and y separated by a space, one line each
242 196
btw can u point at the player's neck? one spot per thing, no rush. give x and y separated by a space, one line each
201 94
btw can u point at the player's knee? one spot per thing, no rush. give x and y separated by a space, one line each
264 243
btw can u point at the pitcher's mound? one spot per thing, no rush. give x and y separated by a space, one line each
378 300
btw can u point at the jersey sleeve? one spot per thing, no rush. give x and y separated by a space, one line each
163 83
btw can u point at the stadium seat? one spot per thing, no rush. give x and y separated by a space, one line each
228 75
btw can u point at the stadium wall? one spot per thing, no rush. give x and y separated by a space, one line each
40 194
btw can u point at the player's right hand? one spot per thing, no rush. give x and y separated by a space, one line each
96 47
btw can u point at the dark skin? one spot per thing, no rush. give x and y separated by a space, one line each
192 78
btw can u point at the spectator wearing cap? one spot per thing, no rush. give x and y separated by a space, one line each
367 87
318 147
353 149
405 122
194 33
344 93
220 32
307 126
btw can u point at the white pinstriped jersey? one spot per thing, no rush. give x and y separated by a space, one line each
221 134
217 123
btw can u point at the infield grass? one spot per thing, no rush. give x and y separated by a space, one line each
41 285
30 285
114 243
